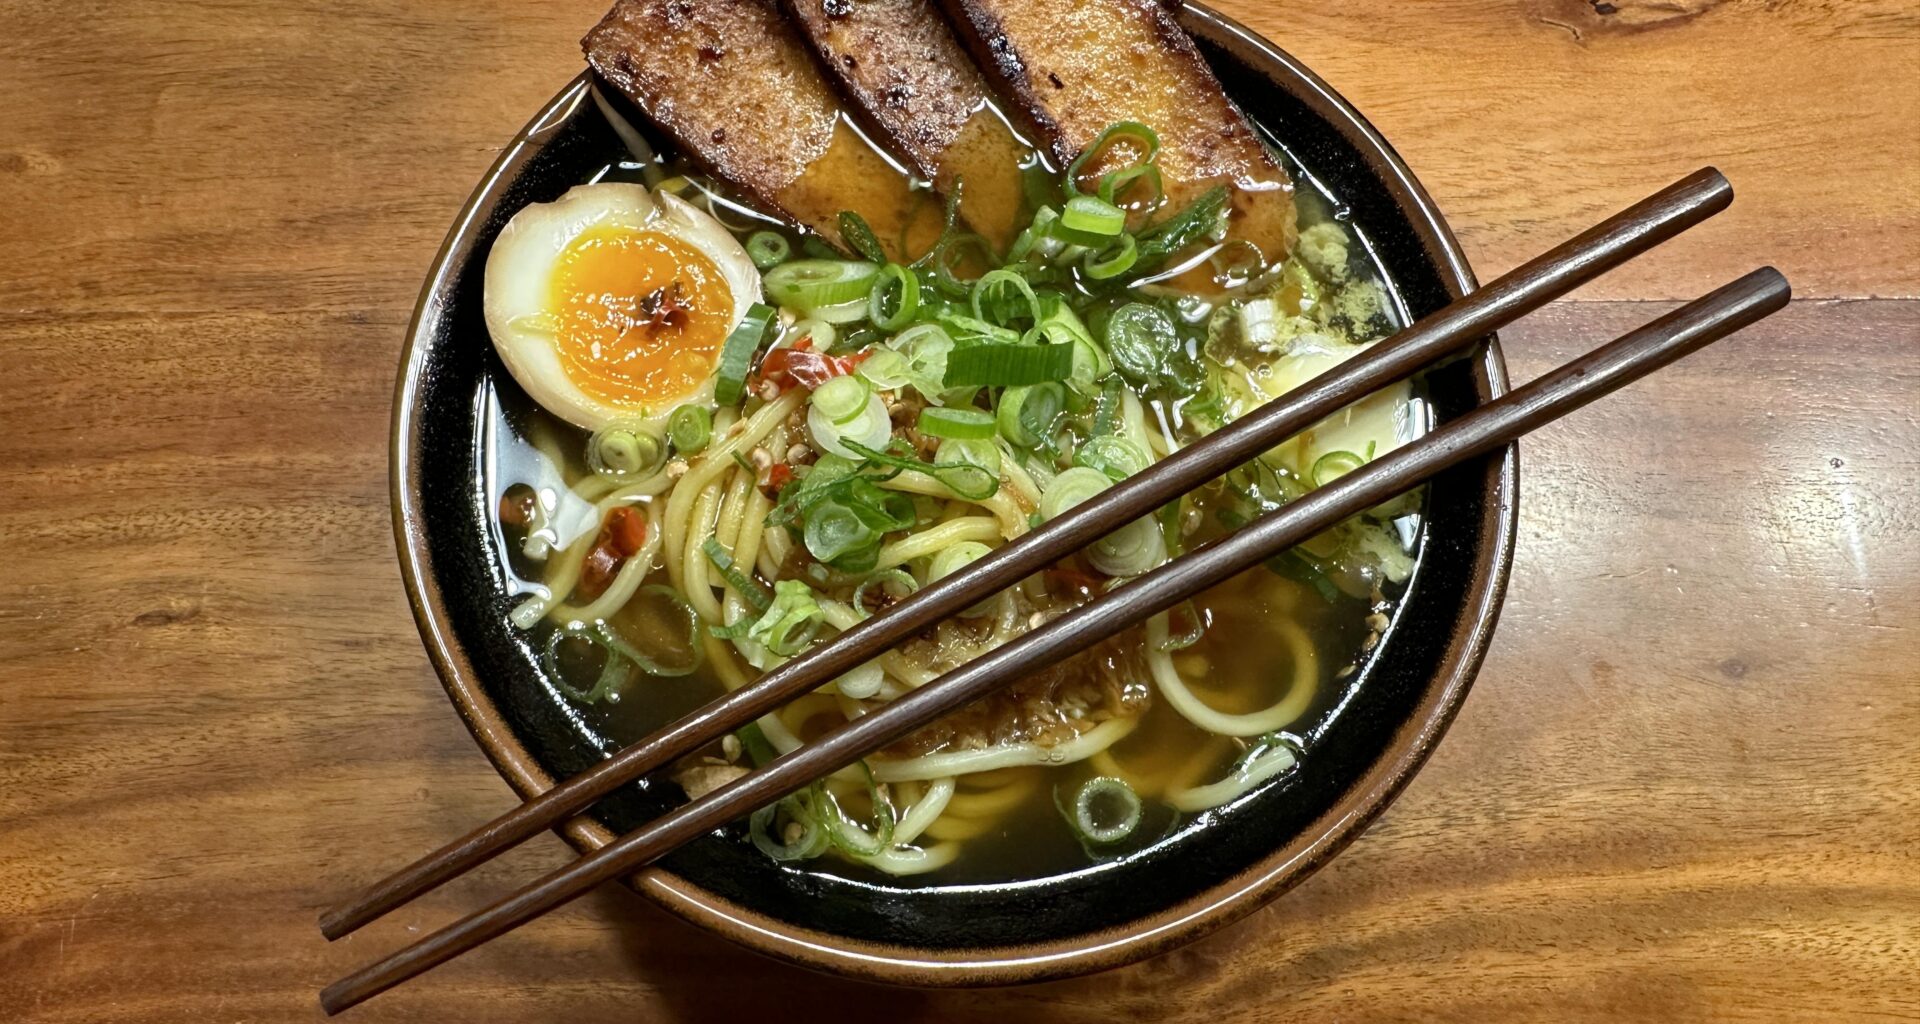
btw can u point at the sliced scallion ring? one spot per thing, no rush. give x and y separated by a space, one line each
1116 456
954 558
1008 365
1111 262
767 249
736 353
1070 488
895 299
1027 416
1092 215
1332 466
1120 131
1106 810
842 399
973 451
690 428
815 284
1130 550
626 451
895 583
1141 338
810 843
1004 298
956 423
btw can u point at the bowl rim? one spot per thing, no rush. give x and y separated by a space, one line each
1127 942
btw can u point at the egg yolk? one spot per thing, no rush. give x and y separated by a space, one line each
642 315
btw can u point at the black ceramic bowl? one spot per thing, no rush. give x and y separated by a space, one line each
1093 919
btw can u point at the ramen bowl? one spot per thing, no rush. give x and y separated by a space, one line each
1194 880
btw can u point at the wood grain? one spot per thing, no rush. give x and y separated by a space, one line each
1687 785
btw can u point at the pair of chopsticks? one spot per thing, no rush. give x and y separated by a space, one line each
1452 330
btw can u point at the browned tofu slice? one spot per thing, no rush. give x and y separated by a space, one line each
734 86
900 64
1076 66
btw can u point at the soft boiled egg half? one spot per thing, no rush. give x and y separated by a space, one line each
611 303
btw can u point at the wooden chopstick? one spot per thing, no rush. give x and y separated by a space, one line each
1465 322
1634 355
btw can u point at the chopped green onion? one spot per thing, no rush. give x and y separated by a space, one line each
950 218
690 428
884 369
1106 413
850 342
625 451
1008 365
1094 216
849 836
619 658
1332 466
1114 186
846 513
860 238
768 250
842 399
1123 130
791 622
964 479
1130 550
1199 220
1037 237
1106 810
925 347
862 681
954 558
1004 298
1113 455
841 313
765 822
813 285
614 670
736 353
944 255
834 531
903 286
966 331
868 424
980 452
895 583
1070 488
1089 365
1028 416
746 586
819 332
1058 321
961 423
1112 261
1141 338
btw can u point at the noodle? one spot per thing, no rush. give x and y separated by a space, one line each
929 542
933 766
1306 679
1013 519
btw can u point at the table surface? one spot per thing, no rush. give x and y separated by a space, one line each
1686 786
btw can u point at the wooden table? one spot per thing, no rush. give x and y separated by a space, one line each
1687 785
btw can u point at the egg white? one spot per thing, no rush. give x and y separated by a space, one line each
521 267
